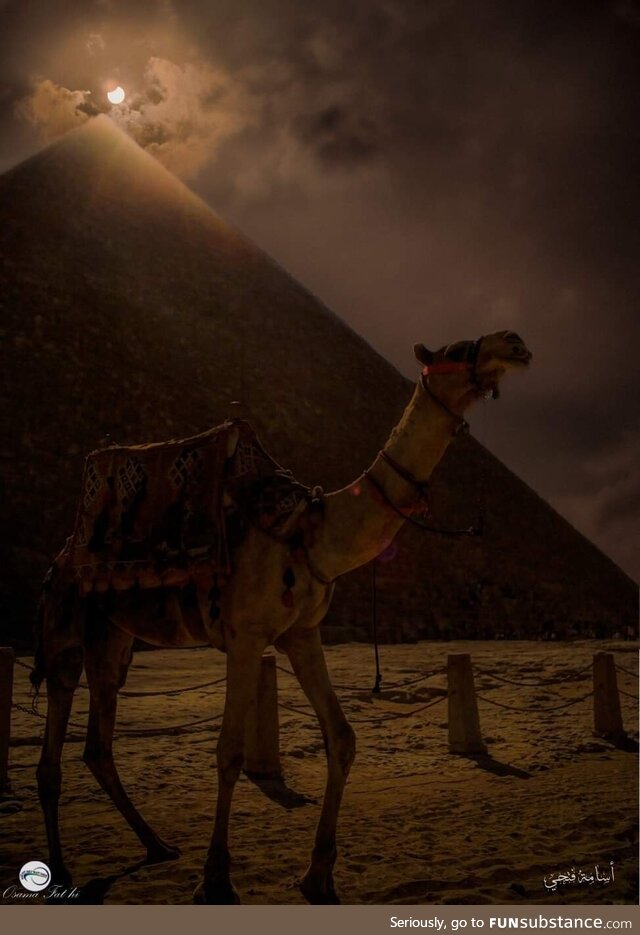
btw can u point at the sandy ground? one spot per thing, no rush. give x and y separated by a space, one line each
418 825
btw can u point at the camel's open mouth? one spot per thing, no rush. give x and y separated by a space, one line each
520 357
488 382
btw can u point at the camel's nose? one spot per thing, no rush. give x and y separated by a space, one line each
521 352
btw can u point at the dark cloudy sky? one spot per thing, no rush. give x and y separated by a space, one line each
431 169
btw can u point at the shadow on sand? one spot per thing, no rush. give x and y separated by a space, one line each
486 761
93 893
623 742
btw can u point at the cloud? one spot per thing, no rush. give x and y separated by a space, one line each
95 44
607 509
181 114
184 112
337 137
54 110
617 470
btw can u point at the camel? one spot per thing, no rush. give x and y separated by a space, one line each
358 522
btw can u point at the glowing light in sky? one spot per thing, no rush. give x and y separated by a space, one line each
116 96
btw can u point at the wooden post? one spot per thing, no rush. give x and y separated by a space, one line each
464 720
607 717
6 693
262 733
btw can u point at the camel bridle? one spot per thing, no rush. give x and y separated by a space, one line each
468 364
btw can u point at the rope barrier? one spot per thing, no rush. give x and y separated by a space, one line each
289 707
549 694
627 671
420 678
379 718
33 713
120 732
197 725
170 729
361 688
172 691
24 665
126 693
135 694
398 715
534 710
43 717
628 695
538 682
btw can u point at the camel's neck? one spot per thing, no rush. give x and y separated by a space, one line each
358 523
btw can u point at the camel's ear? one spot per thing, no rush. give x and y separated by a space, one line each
423 354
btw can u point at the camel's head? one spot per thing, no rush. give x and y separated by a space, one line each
471 370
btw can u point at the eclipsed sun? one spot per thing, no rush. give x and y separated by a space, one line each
116 96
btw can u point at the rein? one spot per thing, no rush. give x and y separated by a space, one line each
421 487
460 424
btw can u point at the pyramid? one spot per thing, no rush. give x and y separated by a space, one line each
132 311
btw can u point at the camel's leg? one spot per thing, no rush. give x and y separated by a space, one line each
244 652
307 658
61 651
108 655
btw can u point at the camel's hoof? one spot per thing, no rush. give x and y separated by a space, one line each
160 852
215 894
317 895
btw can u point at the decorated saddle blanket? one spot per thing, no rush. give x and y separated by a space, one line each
167 514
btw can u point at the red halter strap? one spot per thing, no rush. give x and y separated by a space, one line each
445 367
